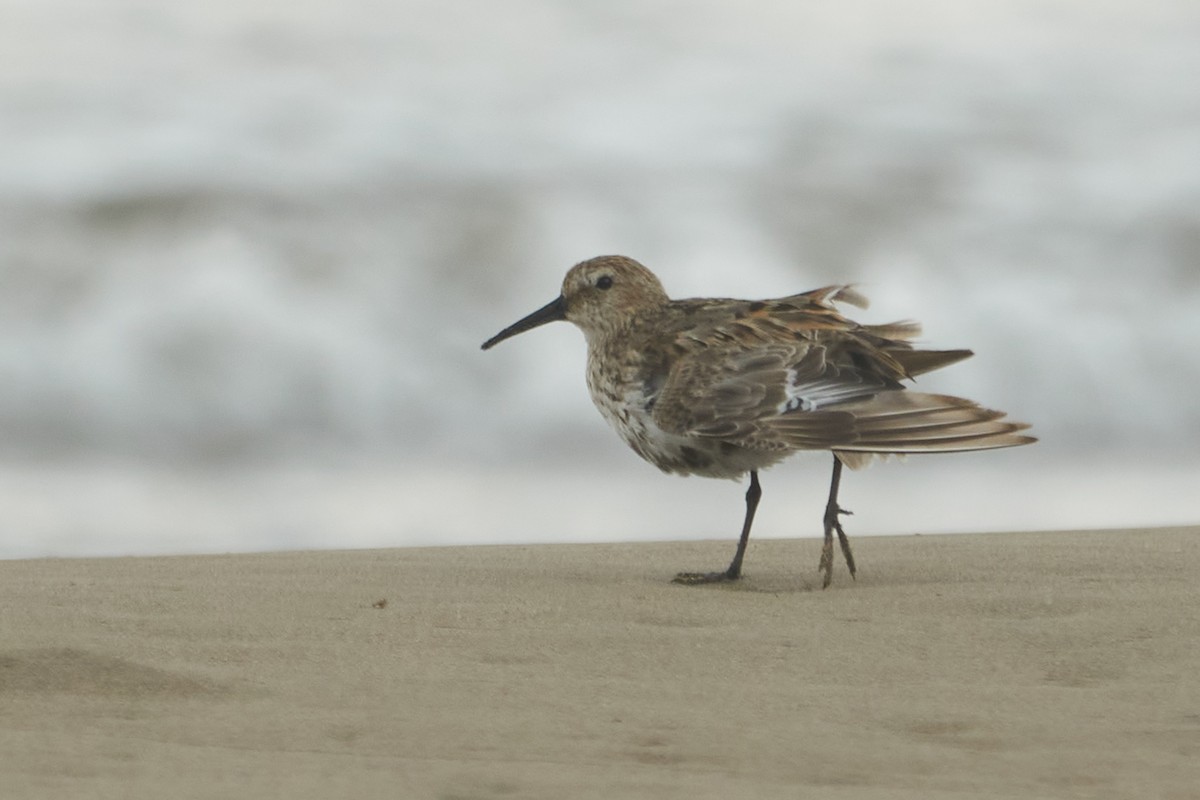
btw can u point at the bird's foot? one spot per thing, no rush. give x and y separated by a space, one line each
699 578
832 523
826 564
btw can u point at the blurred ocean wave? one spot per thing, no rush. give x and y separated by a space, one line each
235 239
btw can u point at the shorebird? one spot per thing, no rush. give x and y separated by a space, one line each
721 388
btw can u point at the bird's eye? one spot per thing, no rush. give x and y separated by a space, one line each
604 282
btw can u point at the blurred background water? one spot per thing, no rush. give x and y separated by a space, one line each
248 252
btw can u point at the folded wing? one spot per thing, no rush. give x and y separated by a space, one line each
806 378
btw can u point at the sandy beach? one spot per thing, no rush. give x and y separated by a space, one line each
1023 665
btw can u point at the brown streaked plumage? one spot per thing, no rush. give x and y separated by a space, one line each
721 388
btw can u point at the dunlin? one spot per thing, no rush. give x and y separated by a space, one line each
722 388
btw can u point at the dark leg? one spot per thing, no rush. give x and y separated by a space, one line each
832 523
735 567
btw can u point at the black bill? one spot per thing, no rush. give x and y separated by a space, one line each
551 312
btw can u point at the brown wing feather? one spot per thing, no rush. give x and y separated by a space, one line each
726 394
913 422
793 373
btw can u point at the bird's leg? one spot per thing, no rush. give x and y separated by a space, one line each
832 523
734 571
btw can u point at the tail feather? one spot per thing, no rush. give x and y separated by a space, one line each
903 422
918 362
